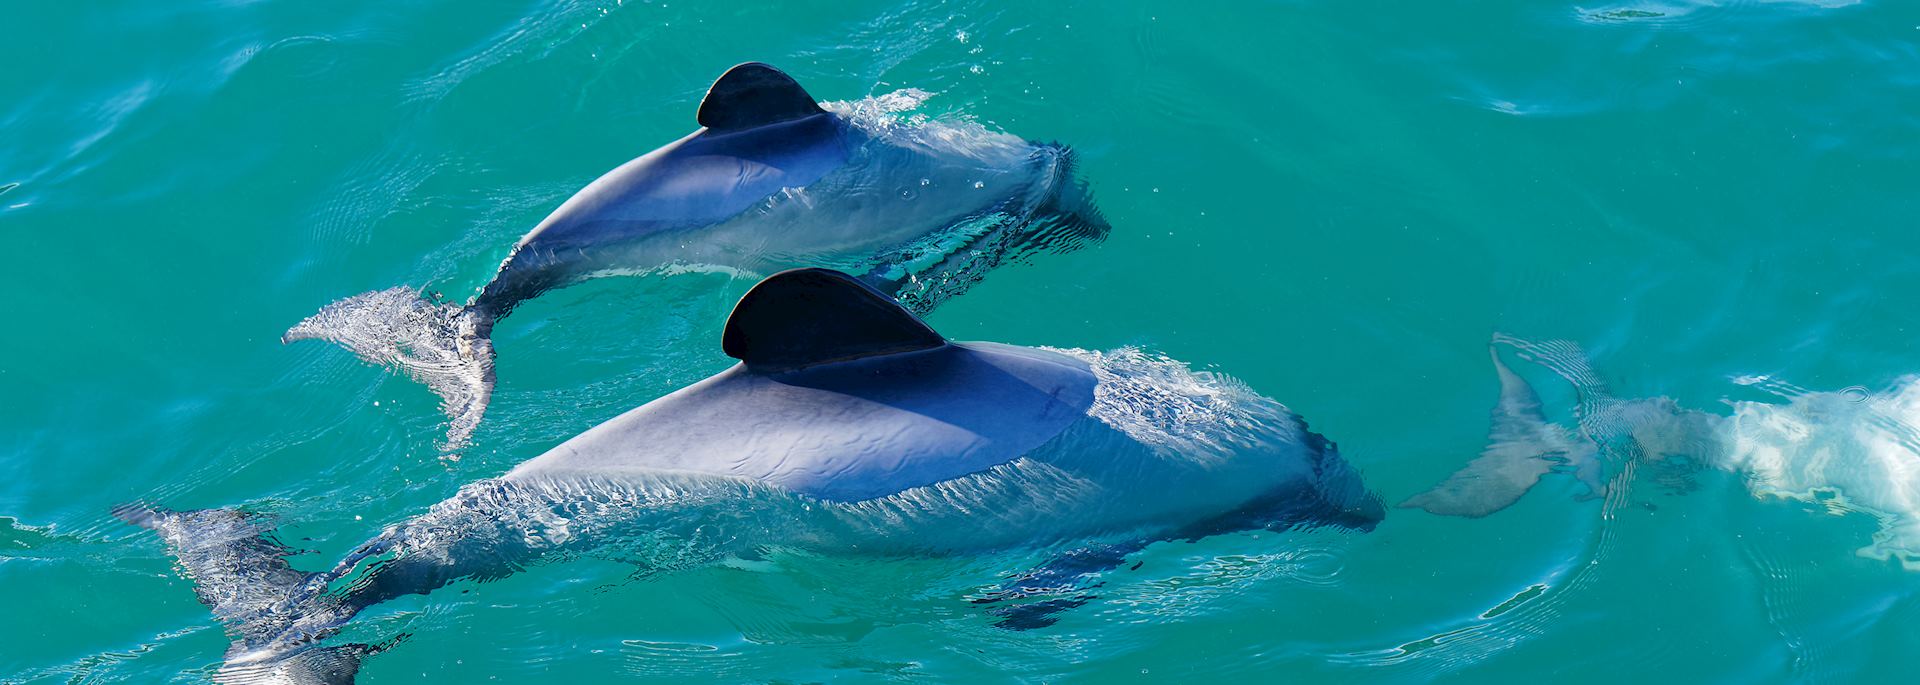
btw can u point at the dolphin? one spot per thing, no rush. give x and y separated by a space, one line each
771 180
1846 450
847 427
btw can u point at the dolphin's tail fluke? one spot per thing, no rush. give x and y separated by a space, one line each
1522 447
274 613
447 347
239 570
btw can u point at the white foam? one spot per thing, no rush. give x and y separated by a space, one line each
1842 449
1180 413
885 117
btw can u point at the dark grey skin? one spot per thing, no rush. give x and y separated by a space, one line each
771 181
849 427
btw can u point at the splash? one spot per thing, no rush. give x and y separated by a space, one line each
886 118
1841 450
1180 413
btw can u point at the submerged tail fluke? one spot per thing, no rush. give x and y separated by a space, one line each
1522 447
239 570
445 346
274 613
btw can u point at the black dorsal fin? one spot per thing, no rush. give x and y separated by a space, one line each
754 94
802 317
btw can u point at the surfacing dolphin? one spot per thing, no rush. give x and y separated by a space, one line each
848 427
1847 450
771 180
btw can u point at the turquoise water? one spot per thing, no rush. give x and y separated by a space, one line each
1337 203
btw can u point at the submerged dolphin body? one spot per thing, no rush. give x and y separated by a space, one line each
771 181
1846 449
848 427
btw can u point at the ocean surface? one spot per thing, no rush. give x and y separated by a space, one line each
1705 206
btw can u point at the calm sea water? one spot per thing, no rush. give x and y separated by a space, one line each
1339 203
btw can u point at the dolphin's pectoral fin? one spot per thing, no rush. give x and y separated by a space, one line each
1522 447
1036 598
1055 215
754 94
931 271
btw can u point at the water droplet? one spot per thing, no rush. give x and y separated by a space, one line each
979 184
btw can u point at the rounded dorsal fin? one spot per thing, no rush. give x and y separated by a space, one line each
802 317
754 94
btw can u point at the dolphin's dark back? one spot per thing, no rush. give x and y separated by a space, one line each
762 133
699 180
842 395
